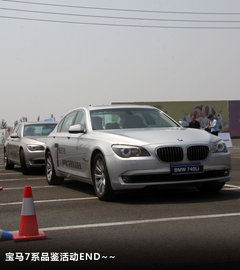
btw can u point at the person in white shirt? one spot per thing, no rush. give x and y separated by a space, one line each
213 125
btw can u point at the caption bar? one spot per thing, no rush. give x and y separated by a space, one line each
54 256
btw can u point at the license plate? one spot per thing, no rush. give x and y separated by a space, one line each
189 168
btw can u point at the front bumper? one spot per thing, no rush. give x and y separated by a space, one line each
34 158
150 171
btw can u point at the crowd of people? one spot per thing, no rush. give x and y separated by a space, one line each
212 127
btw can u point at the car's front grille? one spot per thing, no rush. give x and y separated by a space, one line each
170 154
197 152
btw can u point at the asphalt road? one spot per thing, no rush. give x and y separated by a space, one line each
146 229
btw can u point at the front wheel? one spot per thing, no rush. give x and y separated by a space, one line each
7 164
100 178
51 177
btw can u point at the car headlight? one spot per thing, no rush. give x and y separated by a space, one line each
127 151
35 147
220 147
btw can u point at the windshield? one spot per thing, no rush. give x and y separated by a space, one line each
129 118
38 129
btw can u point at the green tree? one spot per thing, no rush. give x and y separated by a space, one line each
23 119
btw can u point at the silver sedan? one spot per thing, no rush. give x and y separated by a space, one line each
125 147
26 145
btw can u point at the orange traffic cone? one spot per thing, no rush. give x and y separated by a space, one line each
28 228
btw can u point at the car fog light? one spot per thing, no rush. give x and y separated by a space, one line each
125 179
226 172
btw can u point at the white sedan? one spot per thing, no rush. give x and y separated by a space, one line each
127 146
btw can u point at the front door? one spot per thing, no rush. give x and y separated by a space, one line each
63 144
14 145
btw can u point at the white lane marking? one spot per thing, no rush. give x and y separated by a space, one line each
22 179
7 173
141 221
50 201
16 188
231 187
227 185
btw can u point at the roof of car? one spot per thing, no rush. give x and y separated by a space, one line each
37 123
109 107
120 106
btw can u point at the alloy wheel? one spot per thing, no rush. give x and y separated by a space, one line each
100 178
49 168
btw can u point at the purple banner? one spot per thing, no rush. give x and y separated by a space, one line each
234 117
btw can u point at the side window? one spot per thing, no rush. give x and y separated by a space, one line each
68 122
81 119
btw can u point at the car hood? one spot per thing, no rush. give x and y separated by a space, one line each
159 136
35 140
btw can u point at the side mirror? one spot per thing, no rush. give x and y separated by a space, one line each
14 135
75 129
183 123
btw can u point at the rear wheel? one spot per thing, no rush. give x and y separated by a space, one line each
51 177
100 178
7 164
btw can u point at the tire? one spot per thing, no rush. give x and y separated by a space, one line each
24 167
100 178
51 177
212 187
7 164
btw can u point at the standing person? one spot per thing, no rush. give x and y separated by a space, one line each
194 123
213 125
